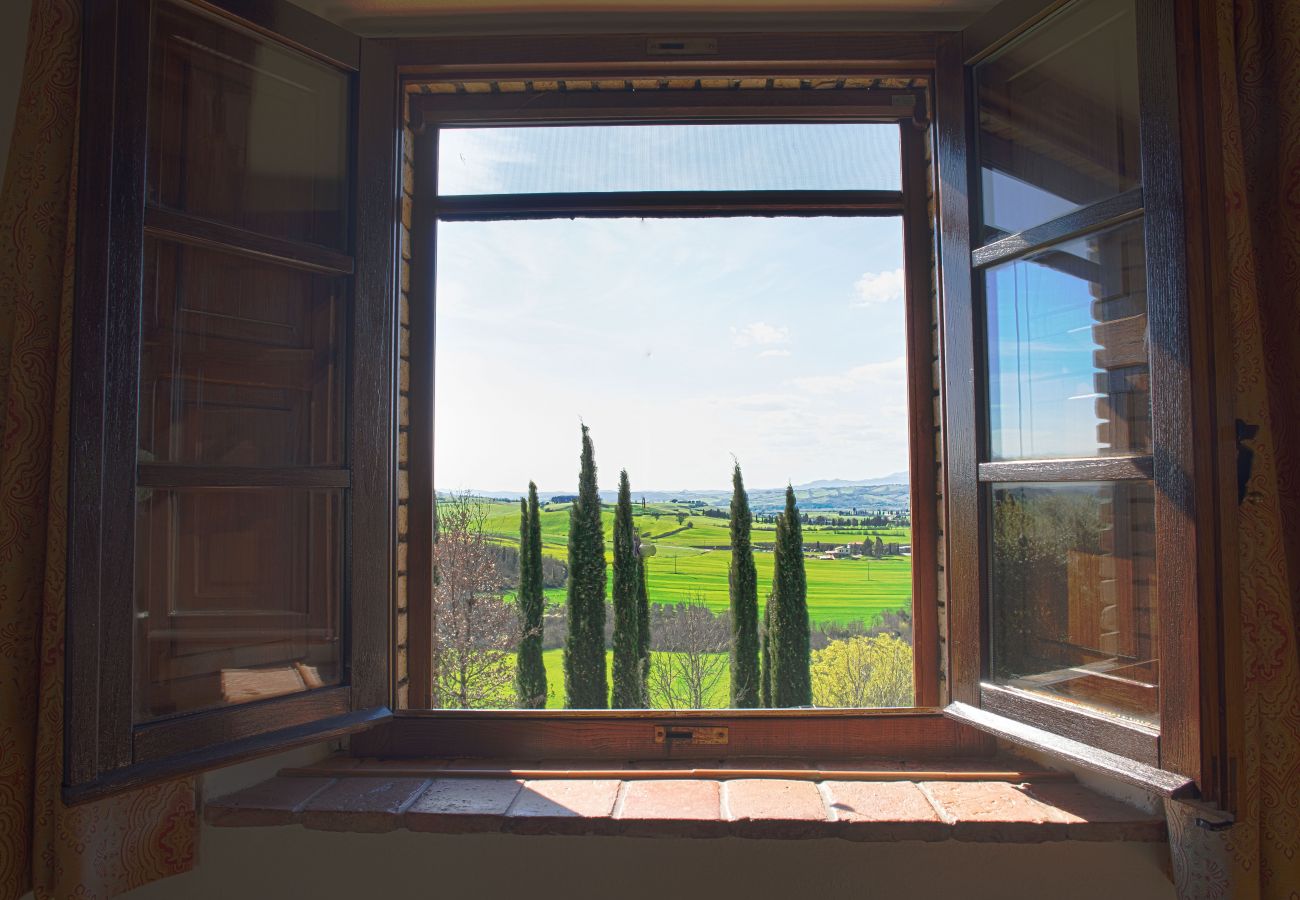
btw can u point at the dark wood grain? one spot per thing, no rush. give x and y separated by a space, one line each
199 232
918 246
289 24
1102 214
1212 386
1158 781
1003 24
668 204
99 242
106 348
161 475
576 55
223 754
630 107
420 511
1102 468
1130 740
530 735
189 732
373 449
1171 399
960 429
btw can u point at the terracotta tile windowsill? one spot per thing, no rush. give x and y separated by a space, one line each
380 796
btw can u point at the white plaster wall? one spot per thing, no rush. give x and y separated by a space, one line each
254 863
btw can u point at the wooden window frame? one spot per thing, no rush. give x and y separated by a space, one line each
105 749
629 734
1167 760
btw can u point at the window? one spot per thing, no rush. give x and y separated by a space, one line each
247 553
1074 507
553 249
229 560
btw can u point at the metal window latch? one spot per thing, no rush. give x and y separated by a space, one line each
675 46
691 734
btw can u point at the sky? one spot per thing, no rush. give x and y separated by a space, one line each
683 342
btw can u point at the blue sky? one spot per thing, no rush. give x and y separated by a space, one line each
682 342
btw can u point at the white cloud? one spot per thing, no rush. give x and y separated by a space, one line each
774 353
760 333
891 373
876 288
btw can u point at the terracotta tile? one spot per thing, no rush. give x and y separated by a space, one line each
774 807
562 806
454 805
672 807
884 811
362 804
994 811
1090 816
272 802
681 799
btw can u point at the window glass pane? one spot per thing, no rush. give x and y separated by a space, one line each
241 361
1058 117
245 131
668 158
237 595
679 342
1067 350
1073 593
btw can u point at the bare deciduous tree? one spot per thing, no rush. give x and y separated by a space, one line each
474 629
692 663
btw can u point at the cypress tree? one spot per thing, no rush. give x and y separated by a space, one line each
765 697
584 648
530 671
790 657
742 581
643 622
626 690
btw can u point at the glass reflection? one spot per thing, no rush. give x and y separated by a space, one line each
1067 350
237 595
1058 117
1073 593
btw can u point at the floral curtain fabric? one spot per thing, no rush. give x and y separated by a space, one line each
105 847
1259 65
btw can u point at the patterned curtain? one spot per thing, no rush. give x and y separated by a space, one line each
1259 58
102 848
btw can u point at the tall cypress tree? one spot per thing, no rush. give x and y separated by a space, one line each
765 698
742 580
530 671
643 629
626 690
790 657
584 649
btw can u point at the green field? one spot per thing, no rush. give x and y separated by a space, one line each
688 562
554 661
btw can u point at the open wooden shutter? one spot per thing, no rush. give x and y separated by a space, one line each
231 537
1068 374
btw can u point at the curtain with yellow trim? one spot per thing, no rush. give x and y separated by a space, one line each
109 846
1259 66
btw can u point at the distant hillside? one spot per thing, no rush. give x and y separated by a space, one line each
889 493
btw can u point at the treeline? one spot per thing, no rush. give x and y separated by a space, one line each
769 662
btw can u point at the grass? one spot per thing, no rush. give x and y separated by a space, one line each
687 565
719 698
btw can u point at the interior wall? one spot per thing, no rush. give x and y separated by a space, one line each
251 863
254 863
13 44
